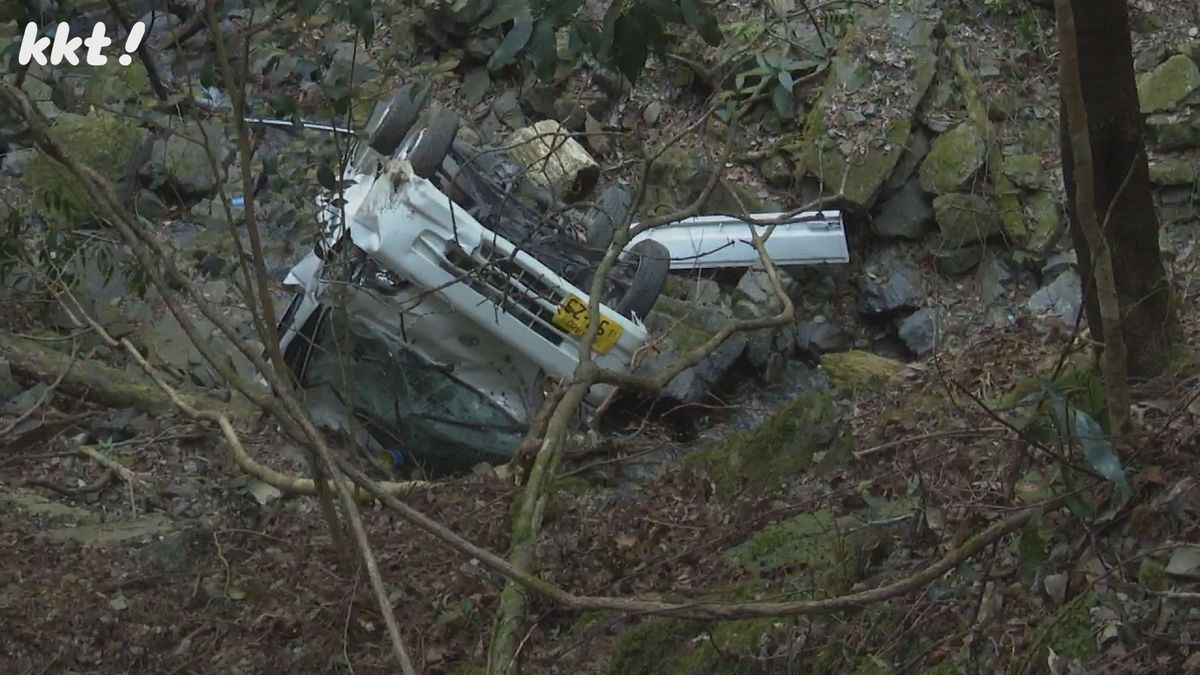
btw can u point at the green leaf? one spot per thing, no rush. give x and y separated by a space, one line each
557 10
785 79
782 99
656 40
544 50
697 17
629 49
505 11
325 177
1030 550
513 42
1075 425
667 10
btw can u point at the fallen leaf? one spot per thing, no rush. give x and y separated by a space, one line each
1056 588
625 541
1185 562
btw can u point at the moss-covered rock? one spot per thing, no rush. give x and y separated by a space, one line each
1043 218
1174 131
678 177
778 448
114 83
1167 86
953 159
857 370
184 160
1025 171
965 219
859 169
1173 171
107 143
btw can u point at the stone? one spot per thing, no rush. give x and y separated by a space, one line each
821 336
1043 219
1172 171
15 161
678 177
1025 171
889 285
764 344
914 152
860 170
113 83
965 219
954 262
921 330
1174 131
1061 298
182 160
953 160
994 275
1149 58
1166 87
507 108
906 214
755 296
684 327
777 172
109 143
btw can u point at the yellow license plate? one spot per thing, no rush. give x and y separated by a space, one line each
572 316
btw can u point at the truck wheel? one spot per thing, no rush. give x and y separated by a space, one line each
427 157
613 207
397 118
653 263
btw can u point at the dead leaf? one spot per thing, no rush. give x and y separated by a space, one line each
625 541
1056 588
1143 524
1185 562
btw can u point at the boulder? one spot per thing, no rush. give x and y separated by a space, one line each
921 330
677 178
777 172
1042 211
955 262
1173 171
1174 131
914 152
859 128
110 144
182 160
1025 171
1061 298
1168 86
821 335
888 285
953 160
994 276
755 296
965 219
906 214
684 327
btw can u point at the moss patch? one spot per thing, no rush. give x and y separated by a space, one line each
857 370
953 159
780 447
100 140
1168 85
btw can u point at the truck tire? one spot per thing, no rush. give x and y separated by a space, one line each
612 208
437 137
653 264
398 118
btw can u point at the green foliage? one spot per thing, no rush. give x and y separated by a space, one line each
631 31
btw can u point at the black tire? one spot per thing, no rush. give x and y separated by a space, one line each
397 118
612 209
427 157
653 264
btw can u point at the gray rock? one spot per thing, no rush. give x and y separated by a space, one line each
965 219
955 262
915 151
171 554
764 344
921 330
508 110
1025 171
889 285
1058 263
14 161
1062 298
908 213
755 296
684 326
183 160
821 336
777 172
994 276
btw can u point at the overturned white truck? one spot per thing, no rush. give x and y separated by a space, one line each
441 298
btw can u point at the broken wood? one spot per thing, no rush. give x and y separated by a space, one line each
90 380
554 160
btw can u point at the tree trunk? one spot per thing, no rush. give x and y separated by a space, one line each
1124 205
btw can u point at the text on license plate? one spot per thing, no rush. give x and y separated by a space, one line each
572 316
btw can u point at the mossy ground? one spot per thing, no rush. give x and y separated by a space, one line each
859 371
